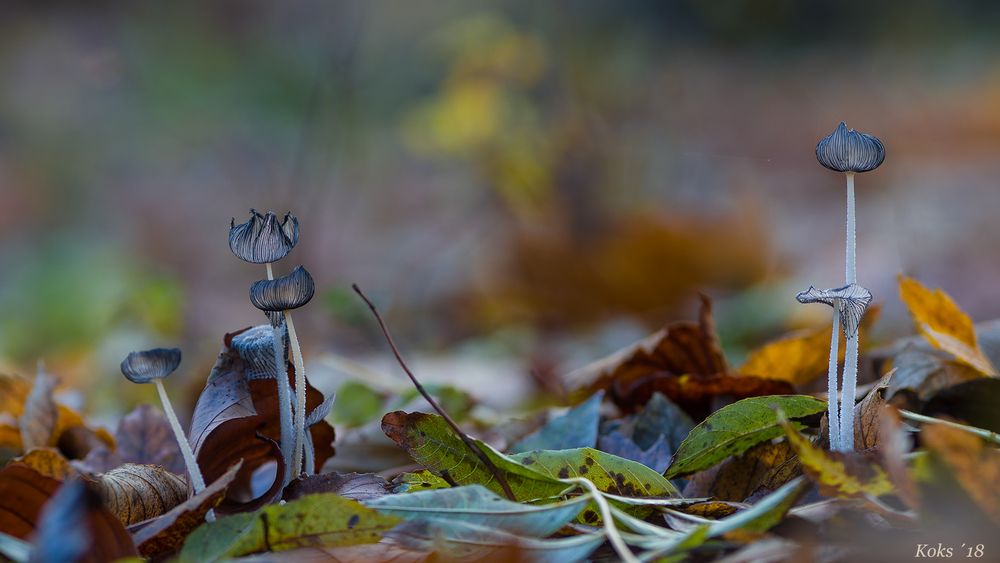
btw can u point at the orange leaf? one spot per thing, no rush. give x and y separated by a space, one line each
944 324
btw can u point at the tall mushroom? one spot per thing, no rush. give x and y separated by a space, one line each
282 295
154 366
848 151
263 240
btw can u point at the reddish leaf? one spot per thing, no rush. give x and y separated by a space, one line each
23 493
699 396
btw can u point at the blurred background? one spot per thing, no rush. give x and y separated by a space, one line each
521 186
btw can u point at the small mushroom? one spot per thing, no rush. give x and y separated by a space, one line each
262 239
153 366
847 150
284 294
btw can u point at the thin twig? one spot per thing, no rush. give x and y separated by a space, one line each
981 432
420 388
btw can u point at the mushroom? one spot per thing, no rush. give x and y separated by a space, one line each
153 366
848 151
282 295
263 240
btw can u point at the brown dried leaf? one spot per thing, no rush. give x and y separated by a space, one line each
767 464
926 372
139 492
143 436
698 396
894 444
867 415
48 462
38 419
357 486
975 466
166 534
23 493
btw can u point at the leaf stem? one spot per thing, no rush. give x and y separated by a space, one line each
981 432
478 452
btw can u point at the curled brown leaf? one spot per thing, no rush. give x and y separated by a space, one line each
138 492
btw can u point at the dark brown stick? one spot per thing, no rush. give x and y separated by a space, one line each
420 388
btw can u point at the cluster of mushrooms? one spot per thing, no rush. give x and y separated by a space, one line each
263 239
848 151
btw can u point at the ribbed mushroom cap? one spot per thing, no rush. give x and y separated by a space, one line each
850 301
847 150
255 347
262 238
147 365
284 293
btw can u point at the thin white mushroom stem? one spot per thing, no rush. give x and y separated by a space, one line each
849 394
284 395
610 529
197 481
300 395
832 399
851 262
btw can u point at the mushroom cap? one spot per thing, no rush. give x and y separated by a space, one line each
847 150
256 347
850 301
147 365
281 294
263 238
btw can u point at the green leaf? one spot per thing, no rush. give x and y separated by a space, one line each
577 428
323 519
422 480
475 504
430 442
735 428
470 542
357 403
611 474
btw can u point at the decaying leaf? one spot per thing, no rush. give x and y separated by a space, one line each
236 418
422 480
38 419
610 473
944 324
142 436
894 444
356 486
577 428
139 492
48 462
802 356
867 415
769 465
23 493
321 519
975 466
924 373
736 428
166 534
656 457
699 396
835 473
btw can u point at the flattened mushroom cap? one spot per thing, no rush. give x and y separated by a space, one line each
850 301
147 365
256 347
284 293
262 238
847 150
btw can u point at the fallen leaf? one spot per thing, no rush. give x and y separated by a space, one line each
609 473
166 534
867 415
139 492
656 457
23 493
355 486
680 348
699 396
649 437
422 480
768 464
894 444
944 324
926 372
802 356
836 473
75 526
975 466
49 462
143 436
577 428
365 553
736 428
322 519
38 419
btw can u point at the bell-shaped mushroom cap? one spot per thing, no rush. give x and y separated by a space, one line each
147 365
850 301
255 347
262 238
284 293
847 150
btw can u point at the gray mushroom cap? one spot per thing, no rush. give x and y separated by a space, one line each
263 238
256 347
284 293
847 150
850 301
147 365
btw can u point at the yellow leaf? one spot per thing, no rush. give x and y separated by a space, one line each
801 356
944 324
48 462
837 474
